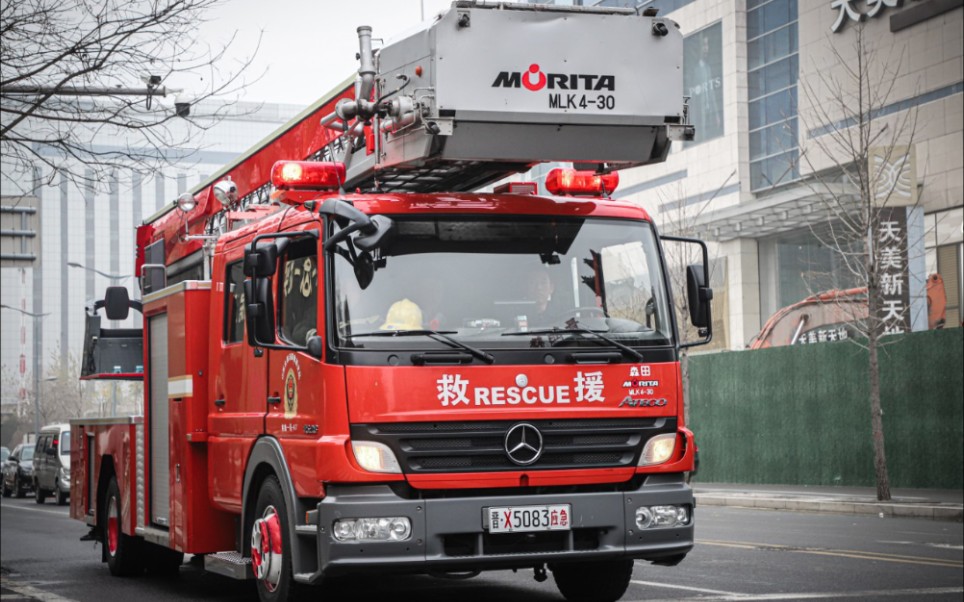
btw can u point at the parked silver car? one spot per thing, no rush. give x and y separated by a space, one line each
51 463
18 471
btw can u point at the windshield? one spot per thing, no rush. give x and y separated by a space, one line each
487 282
26 453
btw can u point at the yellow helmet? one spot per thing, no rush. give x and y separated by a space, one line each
403 315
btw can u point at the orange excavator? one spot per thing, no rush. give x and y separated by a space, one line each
832 316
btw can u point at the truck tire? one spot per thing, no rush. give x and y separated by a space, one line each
40 496
601 581
62 497
271 545
122 551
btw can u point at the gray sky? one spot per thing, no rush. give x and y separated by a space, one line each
307 47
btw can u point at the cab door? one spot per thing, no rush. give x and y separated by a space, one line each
295 383
236 418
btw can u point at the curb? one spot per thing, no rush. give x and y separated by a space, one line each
861 507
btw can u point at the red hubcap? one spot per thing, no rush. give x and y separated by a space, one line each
113 527
266 556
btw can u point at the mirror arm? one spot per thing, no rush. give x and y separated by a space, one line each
705 292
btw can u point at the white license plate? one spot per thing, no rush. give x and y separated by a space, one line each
521 519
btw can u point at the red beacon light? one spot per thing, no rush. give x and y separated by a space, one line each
307 175
573 182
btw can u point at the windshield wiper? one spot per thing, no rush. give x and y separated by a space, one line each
440 335
579 330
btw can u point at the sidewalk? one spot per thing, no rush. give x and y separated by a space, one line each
934 504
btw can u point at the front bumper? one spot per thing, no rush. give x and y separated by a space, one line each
448 534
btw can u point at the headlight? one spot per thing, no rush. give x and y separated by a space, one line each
390 528
649 517
658 449
375 457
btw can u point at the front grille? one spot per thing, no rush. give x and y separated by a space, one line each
436 447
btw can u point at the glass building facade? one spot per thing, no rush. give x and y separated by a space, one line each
772 73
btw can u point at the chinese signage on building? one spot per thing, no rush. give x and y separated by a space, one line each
890 239
856 10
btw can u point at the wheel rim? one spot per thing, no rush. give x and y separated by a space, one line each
266 554
113 527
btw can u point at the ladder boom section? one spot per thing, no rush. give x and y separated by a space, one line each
303 137
489 90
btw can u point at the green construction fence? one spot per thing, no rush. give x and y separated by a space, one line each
801 415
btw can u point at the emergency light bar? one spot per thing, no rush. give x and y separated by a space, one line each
312 175
572 182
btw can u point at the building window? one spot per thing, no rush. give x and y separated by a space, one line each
795 265
772 73
703 81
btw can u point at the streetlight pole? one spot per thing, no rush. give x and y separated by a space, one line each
115 279
36 373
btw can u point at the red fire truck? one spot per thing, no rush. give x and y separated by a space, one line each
354 363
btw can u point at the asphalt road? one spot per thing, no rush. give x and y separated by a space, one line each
740 555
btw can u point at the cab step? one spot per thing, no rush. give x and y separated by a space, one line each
229 564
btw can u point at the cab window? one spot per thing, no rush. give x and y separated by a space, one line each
65 443
298 292
234 303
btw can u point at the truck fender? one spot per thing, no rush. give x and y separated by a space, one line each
267 457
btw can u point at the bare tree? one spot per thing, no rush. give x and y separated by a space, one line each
62 394
67 75
859 144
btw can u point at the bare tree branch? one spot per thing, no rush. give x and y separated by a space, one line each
104 45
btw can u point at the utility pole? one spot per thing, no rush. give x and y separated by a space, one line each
154 88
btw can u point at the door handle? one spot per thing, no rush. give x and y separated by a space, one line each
274 400
220 402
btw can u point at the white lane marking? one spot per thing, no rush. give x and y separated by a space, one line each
942 546
64 514
683 587
33 593
871 594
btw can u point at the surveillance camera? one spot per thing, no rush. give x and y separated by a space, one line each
152 80
182 108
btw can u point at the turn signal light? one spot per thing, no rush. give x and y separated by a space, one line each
313 175
581 183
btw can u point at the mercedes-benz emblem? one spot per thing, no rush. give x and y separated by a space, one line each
523 444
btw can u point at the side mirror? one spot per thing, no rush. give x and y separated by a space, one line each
316 346
373 231
261 261
698 296
382 236
259 311
117 303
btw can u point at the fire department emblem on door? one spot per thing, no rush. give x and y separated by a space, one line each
292 374
291 394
